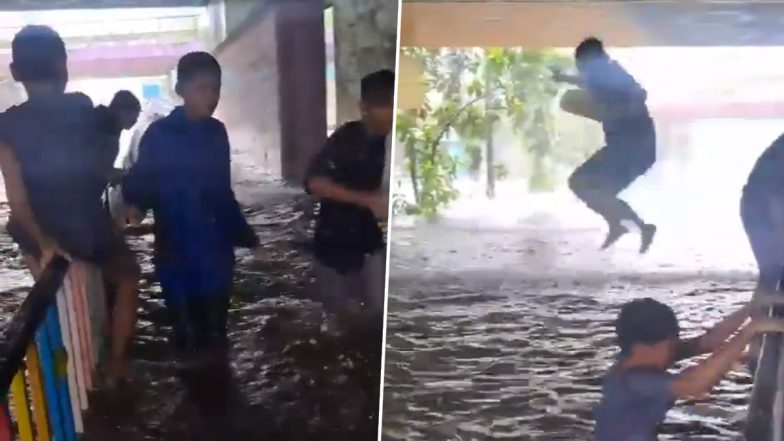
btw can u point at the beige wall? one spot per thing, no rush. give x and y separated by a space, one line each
274 93
365 41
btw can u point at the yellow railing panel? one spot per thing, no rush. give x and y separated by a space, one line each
20 407
37 394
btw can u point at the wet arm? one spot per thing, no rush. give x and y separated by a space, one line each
716 336
700 379
17 195
570 79
138 185
321 186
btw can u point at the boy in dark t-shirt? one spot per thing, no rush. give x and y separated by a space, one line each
638 391
53 182
629 134
346 176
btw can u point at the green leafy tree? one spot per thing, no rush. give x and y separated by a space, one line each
470 91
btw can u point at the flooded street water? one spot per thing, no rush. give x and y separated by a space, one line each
294 373
504 331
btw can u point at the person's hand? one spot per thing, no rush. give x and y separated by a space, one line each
49 249
379 205
766 300
761 303
766 324
134 215
556 73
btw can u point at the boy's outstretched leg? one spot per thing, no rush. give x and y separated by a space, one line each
597 183
614 211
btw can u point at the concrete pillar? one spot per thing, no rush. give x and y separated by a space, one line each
365 41
274 93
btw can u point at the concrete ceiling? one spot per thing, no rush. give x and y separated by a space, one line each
538 24
29 5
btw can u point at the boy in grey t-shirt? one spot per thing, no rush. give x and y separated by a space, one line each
638 391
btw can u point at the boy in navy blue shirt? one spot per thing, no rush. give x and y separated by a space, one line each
183 176
638 391
54 180
629 134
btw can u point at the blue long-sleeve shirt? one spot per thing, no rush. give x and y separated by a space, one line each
183 176
613 88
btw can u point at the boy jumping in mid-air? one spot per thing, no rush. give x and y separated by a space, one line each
346 177
183 175
629 134
638 391
54 183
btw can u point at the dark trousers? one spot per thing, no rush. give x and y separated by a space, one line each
599 180
199 322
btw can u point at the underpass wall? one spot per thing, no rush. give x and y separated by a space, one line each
274 93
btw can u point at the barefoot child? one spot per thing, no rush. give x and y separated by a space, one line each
638 391
346 177
183 176
629 134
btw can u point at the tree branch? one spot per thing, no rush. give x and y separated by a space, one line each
437 140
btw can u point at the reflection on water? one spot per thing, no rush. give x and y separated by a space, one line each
293 373
503 330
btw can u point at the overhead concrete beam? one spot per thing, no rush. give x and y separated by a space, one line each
538 25
30 5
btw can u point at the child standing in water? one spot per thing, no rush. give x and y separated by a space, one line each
183 175
54 183
121 114
346 176
629 134
638 391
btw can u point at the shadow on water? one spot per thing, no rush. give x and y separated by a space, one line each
293 372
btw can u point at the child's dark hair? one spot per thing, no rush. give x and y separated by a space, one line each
645 321
196 63
37 53
590 48
125 100
378 88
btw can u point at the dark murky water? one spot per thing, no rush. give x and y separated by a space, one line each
506 334
294 373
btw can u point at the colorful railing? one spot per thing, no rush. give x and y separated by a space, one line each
50 353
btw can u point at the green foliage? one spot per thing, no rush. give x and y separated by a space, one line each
469 92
